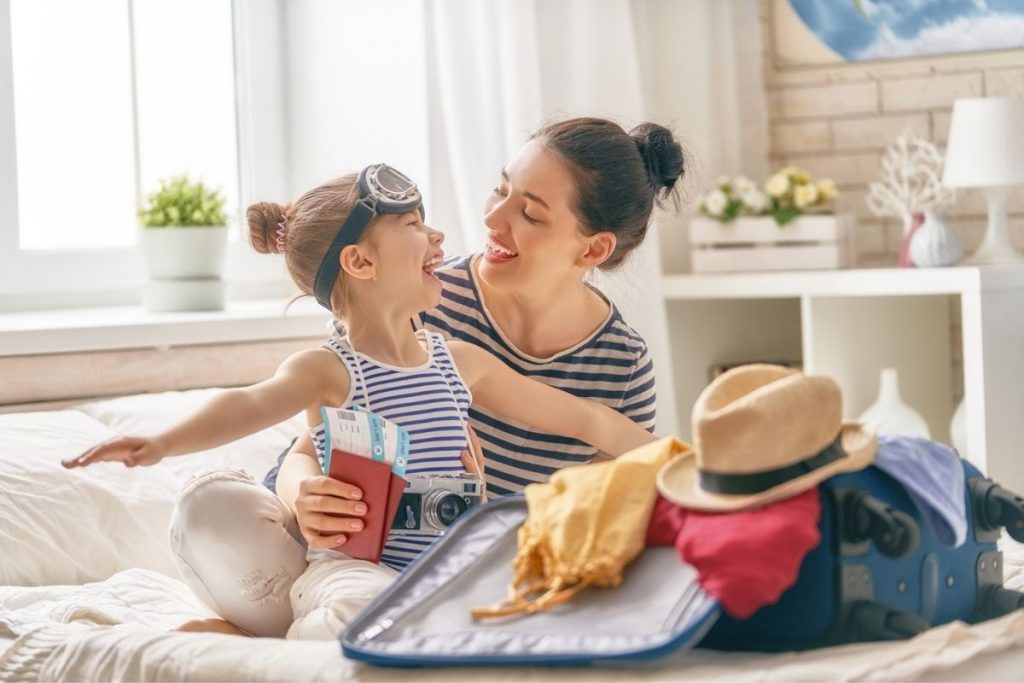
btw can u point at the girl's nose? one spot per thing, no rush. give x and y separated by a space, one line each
436 236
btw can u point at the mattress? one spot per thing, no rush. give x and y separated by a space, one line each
88 590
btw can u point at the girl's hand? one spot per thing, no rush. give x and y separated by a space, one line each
473 461
328 511
130 450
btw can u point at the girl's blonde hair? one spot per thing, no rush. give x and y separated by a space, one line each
303 231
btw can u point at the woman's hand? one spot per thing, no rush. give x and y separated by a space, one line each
328 511
130 450
473 461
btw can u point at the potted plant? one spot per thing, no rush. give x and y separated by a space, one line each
184 240
787 223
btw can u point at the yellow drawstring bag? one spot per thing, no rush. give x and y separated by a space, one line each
583 528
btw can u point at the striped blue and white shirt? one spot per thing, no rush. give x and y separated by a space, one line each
430 401
612 366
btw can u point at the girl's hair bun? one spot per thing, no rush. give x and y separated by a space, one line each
662 155
265 219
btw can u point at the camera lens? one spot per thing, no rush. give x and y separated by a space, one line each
441 508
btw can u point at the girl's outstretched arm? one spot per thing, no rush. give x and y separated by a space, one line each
303 382
501 389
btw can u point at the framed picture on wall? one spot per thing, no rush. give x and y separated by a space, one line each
828 32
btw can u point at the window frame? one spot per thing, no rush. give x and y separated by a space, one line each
32 280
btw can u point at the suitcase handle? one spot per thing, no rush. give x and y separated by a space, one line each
997 507
893 532
997 601
870 621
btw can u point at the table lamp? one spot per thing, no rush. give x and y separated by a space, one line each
986 151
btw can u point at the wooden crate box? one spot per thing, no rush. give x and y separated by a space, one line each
809 242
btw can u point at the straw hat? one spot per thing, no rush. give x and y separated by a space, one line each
763 433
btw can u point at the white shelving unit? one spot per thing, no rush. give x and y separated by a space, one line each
849 324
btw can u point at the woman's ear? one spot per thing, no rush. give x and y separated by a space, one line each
357 262
599 248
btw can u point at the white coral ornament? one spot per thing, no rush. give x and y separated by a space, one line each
911 180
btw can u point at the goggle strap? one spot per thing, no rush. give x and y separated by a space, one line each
349 233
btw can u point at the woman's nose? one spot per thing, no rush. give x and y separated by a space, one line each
494 216
436 236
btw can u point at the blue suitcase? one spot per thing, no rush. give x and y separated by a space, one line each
879 574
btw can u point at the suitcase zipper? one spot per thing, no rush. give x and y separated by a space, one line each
375 630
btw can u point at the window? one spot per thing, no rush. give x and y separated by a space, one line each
99 100
73 124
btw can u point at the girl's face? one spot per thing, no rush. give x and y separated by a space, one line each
406 252
533 236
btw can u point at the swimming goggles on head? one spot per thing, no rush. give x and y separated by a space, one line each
382 189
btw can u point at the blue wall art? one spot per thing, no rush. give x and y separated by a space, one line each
859 30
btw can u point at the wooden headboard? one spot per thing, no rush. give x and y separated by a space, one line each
52 381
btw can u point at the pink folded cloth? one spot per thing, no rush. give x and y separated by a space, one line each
746 559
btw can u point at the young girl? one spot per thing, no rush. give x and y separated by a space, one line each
359 244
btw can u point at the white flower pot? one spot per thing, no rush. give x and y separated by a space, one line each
184 265
176 252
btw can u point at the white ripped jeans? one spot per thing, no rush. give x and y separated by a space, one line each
238 548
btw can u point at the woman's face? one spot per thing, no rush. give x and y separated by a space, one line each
533 238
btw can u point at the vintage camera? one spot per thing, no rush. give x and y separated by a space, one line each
432 503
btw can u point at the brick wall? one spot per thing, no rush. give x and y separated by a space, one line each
836 122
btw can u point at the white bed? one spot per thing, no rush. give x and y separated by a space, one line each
88 591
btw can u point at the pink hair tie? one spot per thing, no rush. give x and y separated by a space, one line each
282 234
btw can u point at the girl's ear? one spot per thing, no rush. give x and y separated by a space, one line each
357 263
599 248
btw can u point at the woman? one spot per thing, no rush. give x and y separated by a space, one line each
578 196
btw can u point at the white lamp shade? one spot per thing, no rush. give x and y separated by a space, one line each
986 143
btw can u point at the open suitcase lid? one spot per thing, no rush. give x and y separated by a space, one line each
423 618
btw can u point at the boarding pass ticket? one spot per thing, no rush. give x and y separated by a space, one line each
366 434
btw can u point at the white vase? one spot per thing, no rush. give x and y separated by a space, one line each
889 414
185 267
935 244
175 253
958 428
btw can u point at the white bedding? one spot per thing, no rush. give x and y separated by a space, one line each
88 591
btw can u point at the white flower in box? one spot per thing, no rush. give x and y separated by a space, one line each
715 203
744 186
777 185
756 201
827 189
748 228
805 195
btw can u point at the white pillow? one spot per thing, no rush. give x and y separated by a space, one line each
75 526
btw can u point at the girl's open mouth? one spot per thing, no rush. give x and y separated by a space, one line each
431 264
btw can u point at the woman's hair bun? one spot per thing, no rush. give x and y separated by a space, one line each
662 155
265 219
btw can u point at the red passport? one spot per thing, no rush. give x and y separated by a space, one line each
382 491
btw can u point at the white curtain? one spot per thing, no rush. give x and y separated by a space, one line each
497 70
484 98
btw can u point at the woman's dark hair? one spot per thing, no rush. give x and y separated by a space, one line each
618 175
